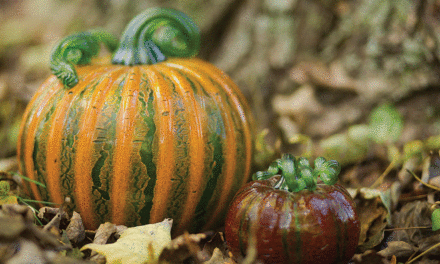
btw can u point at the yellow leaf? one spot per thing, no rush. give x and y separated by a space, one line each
8 200
141 244
4 188
5 198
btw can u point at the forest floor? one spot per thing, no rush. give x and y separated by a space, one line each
373 105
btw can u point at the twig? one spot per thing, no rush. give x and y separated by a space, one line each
423 253
424 183
384 174
406 228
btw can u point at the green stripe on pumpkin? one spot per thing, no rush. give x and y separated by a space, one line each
213 133
33 122
68 144
27 118
197 175
219 203
102 147
139 180
105 132
215 160
41 141
124 160
110 123
181 152
217 164
38 168
146 152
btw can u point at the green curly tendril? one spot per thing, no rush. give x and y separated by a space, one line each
76 49
156 34
297 174
149 38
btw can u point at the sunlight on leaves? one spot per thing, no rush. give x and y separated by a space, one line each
306 141
264 151
348 147
141 244
386 124
435 217
5 197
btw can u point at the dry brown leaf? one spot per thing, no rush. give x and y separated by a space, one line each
24 242
102 235
217 241
75 230
48 213
369 257
373 215
398 249
29 253
54 224
219 258
12 227
433 170
413 214
183 247
393 260
17 210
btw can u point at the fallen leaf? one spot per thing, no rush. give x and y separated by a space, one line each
141 244
8 199
17 209
29 252
219 258
54 224
104 232
49 213
434 169
349 147
75 230
102 236
413 215
5 195
373 209
398 249
265 152
184 247
369 257
303 100
393 260
385 124
14 226
216 242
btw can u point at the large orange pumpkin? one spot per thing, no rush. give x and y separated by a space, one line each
162 135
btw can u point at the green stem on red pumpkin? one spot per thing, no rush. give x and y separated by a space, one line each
298 174
77 49
156 34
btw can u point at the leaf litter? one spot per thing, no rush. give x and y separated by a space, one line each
398 234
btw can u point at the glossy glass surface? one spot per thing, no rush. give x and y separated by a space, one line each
304 227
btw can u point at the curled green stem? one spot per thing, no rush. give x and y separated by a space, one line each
149 38
77 49
156 34
298 174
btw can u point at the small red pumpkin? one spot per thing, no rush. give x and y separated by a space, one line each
291 217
